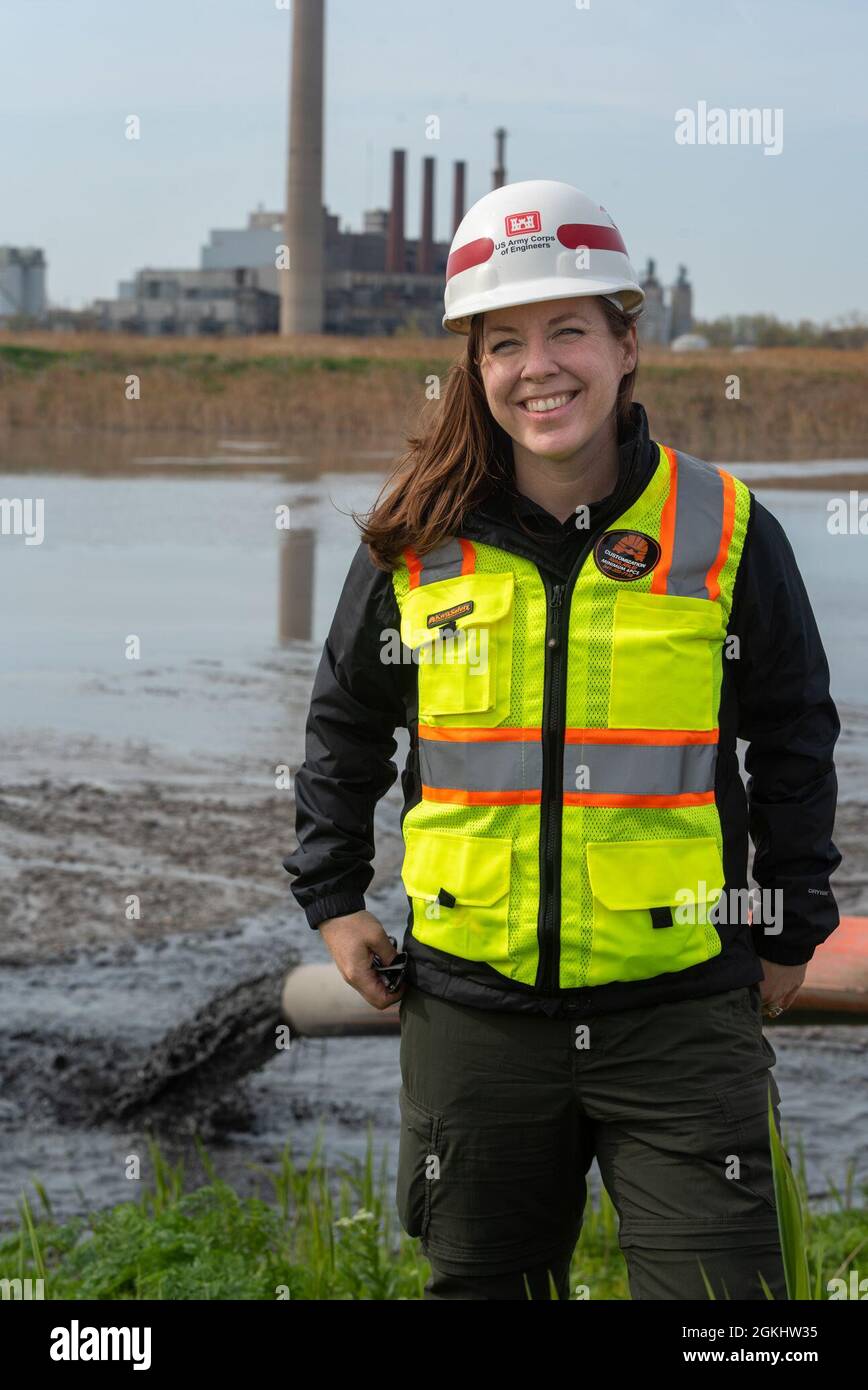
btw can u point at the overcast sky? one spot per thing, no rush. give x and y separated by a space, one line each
587 95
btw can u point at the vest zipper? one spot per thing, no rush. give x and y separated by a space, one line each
552 791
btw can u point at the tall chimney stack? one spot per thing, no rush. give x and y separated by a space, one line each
458 194
499 171
302 285
395 245
425 260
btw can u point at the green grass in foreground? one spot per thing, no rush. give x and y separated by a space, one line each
309 1241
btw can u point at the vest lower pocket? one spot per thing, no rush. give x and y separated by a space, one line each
459 888
461 631
652 901
665 651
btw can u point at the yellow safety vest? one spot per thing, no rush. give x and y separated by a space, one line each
567 833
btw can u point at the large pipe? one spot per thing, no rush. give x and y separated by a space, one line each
395 245
302 285
317 1002
458 194
425 260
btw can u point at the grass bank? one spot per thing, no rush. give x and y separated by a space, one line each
319 1235
792 402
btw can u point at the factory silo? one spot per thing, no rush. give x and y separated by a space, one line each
681 299
302 285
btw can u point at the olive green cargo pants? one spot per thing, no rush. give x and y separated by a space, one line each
502 1114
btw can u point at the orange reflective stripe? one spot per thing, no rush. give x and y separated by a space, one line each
464 735
461 797
675 737
414 566
468 556
712 581
667 527
625 799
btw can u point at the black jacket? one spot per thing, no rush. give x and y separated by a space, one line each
775 696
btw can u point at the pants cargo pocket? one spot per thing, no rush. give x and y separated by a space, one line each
418 1164
745 1108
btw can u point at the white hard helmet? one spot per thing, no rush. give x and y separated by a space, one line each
532 241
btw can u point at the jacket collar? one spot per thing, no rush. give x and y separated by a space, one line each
509 519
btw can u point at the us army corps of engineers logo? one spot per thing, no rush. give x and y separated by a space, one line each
626 554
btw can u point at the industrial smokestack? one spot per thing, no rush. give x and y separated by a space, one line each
302 285
458 194
395 246
426 241
499 170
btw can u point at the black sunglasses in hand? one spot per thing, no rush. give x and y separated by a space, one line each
393 973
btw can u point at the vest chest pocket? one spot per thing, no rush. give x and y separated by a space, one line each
665 671
459 888
652 901
460 631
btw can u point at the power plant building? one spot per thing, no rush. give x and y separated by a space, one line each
662 320
299 272
22 284
373 280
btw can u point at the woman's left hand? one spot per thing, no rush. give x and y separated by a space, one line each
780 983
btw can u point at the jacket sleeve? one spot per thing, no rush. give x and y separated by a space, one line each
790 723
355 707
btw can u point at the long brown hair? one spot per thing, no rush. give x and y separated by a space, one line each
459 456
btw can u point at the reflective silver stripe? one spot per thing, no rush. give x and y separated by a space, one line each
640 769
485 766
698 526
443 562
501 765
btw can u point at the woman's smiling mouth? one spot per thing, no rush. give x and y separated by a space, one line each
547 405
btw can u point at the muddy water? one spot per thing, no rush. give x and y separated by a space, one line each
156 777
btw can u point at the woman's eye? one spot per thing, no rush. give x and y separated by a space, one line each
510 342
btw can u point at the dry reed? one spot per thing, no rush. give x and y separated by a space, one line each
793 402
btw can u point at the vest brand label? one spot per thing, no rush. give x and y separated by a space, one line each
626 554
448 615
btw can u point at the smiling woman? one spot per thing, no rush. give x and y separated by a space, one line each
550 379
490 430
570 794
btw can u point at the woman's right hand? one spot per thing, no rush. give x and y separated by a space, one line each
352 940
